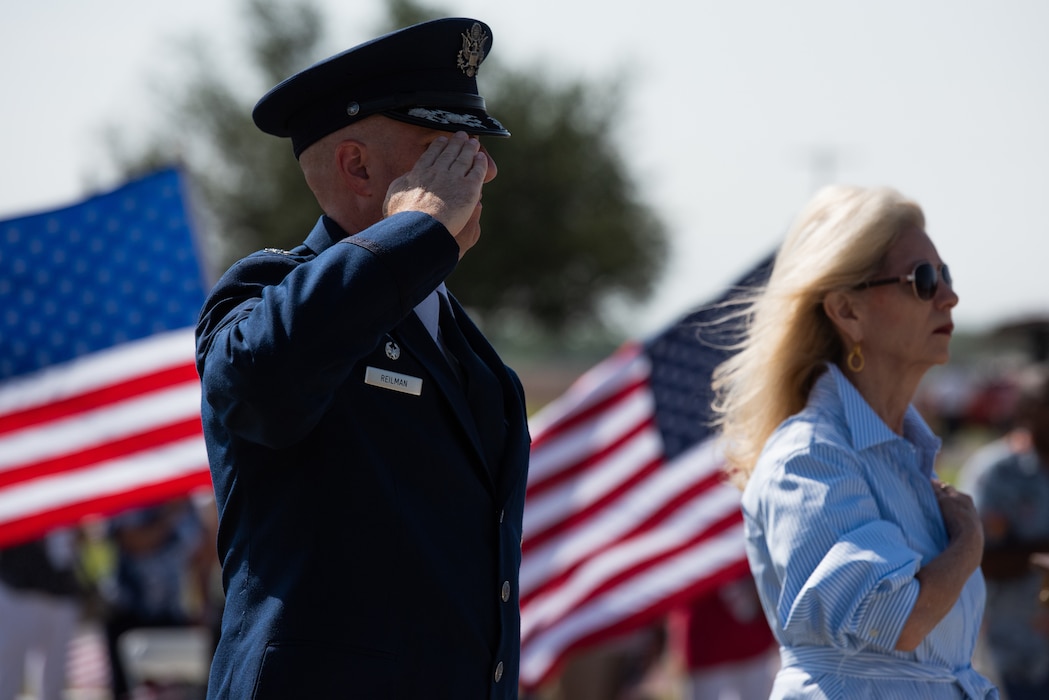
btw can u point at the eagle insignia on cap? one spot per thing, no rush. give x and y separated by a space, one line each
473 51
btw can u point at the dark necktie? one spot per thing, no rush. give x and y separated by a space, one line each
482 389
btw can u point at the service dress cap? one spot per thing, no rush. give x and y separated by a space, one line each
425 74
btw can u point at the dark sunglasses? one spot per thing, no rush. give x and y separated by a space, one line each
924 280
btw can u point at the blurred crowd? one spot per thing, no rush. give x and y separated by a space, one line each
145 584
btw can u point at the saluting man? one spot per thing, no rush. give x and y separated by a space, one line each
367 445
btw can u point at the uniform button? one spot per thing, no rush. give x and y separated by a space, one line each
499 672
506 591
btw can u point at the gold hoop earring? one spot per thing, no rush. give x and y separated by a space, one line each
855 359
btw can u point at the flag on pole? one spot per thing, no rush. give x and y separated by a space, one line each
99 397
627 515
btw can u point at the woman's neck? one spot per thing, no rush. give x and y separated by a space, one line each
888 391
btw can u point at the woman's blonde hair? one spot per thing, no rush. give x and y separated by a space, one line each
840 239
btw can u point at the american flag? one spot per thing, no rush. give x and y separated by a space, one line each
627 515
99 397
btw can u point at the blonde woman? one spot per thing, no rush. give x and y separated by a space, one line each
867 565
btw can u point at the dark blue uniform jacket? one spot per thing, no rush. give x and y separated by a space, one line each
368 549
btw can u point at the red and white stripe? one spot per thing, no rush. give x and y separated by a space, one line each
108 431
614 535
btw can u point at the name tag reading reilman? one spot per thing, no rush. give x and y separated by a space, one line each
386 379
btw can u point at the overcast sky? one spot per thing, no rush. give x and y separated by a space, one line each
736 111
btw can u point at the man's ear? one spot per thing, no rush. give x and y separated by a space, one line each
841 309
351 157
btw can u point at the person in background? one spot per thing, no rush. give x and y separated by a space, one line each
1011 492
866 563
40 606
160 552
724 644
368 447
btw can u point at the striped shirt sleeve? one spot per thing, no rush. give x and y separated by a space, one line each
847 574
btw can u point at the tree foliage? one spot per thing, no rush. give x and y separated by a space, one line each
563 228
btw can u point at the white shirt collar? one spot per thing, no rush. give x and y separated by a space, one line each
429 310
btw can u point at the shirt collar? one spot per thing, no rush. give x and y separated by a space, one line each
866 426
429 310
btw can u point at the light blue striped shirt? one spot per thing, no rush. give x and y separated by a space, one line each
839 517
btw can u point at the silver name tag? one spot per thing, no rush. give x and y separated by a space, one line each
391 380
